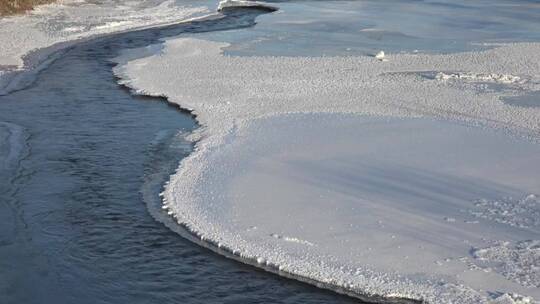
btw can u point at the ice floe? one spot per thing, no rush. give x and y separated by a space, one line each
385 201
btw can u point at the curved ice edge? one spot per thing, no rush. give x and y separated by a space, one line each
13 78
232 4
183 224
174 223
178 225
192 235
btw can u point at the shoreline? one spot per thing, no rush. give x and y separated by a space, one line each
213 133
14 78
172 221
191 234
10 8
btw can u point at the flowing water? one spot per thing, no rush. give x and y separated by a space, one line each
81 159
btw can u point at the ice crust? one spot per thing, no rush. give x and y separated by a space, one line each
232 189
523 213
51 27
518 262
226 4
478 77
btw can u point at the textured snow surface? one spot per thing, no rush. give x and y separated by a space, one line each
519 262
499 78
377 206
69 20
523 213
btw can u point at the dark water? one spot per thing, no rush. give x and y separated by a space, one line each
83 152
529 100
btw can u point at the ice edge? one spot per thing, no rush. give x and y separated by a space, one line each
191 234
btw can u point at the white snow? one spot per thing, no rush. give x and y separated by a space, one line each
479 77
380 55
523 212
52 26
518 262
377 206
225 4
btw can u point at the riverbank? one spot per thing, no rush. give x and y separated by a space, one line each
76 227
11 7
309 184
202 194
31 41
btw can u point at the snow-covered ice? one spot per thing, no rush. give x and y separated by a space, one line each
519 262
358 174
348 183
48 28
365 192
522 212
226 4
498 78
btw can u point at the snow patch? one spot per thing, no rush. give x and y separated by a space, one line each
480 77
523 213
513 298
518 262
291 239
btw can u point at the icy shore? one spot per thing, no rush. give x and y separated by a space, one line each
228 4
264 202
29 40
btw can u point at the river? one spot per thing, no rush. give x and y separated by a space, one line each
82 162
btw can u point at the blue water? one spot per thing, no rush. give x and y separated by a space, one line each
363 27
528 100
87 159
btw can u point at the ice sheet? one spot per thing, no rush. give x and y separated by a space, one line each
372 197
281 192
